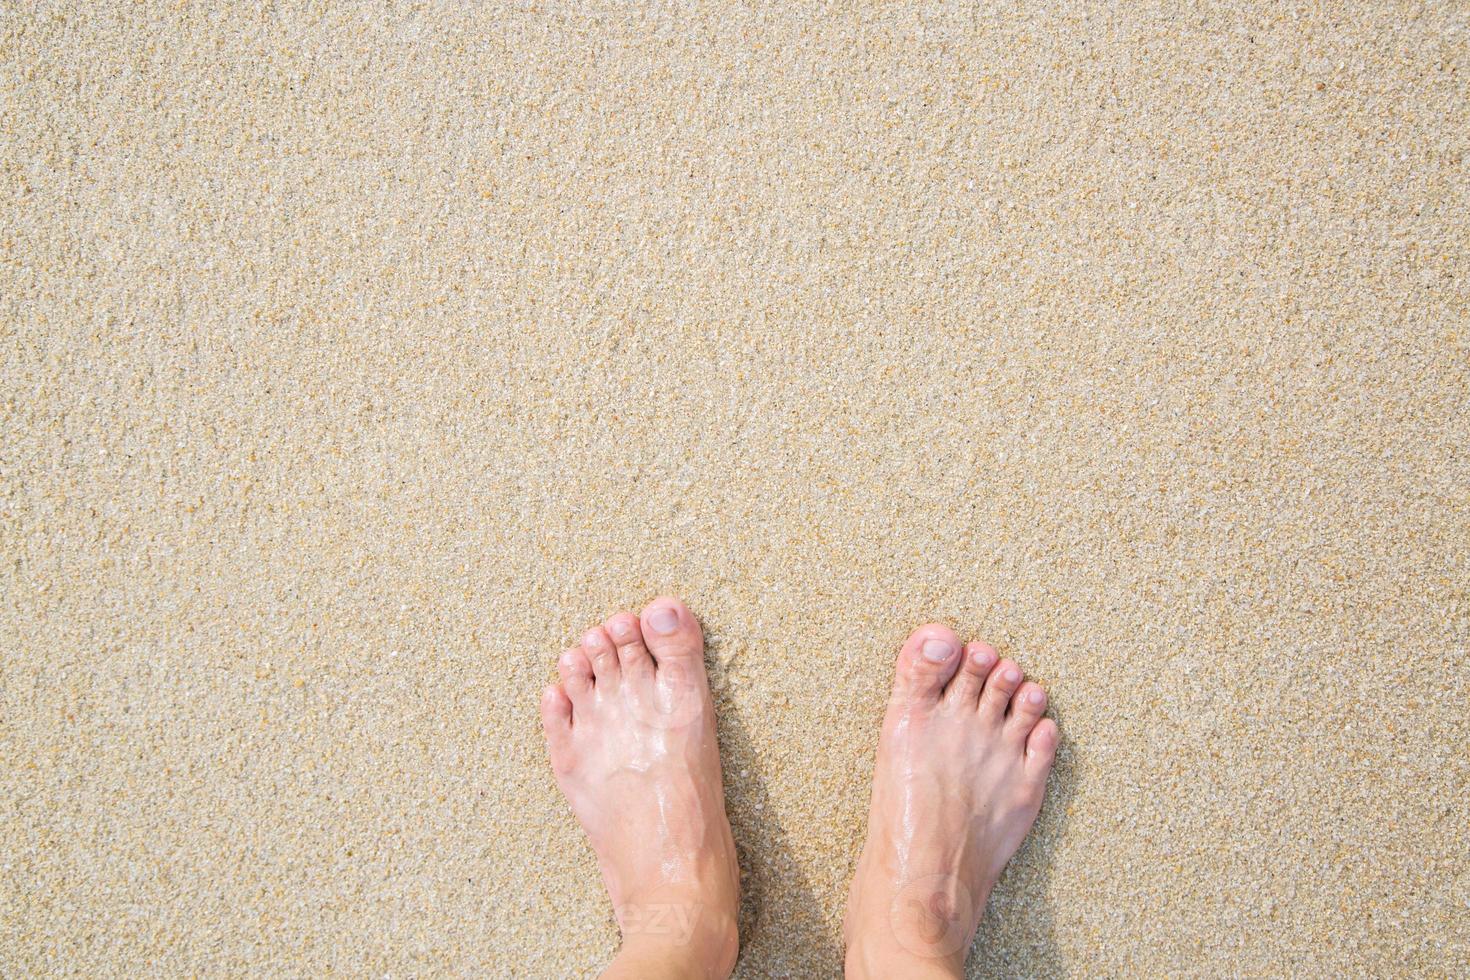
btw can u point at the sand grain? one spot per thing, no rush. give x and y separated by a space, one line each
357 355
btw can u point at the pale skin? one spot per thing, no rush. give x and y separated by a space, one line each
962 764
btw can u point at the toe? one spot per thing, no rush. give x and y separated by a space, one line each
926 662
576 676
964 689
1027 706
1041 748
604 659
628 638
999 687
671 632
556 720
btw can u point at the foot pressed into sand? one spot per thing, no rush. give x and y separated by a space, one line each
961 770
631 732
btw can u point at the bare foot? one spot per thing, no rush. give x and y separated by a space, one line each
961 769
631 731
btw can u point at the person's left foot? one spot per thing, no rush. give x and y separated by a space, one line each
631 732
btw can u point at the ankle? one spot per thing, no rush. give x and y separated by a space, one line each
686 939
925 930
864 960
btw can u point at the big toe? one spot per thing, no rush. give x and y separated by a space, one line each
672 633
926 662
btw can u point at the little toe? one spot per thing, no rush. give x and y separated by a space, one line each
965 687
576 675
926 662
556 721
672 633
1027 706
999 686
1041 748
625 634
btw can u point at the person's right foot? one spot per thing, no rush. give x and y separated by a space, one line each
961 770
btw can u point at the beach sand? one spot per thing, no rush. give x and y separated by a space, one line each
357 355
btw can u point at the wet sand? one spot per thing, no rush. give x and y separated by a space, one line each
356 356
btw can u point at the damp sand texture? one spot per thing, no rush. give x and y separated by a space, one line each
357 355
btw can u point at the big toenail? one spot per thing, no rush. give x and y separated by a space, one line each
1013 675
1034 697
938 650
663 620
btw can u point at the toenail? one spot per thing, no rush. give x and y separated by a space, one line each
938 650
663 620
1034 697
1013 675
621 628
592 639
983 658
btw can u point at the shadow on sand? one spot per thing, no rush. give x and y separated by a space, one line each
783 929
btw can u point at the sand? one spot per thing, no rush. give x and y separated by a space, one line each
357 355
